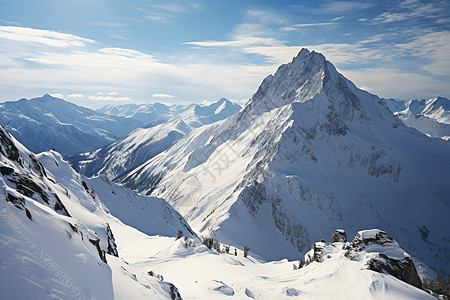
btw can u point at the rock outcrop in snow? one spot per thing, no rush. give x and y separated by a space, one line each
310 152
374 249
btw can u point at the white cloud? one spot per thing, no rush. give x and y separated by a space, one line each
337 19
57 96
433 48
75 96
110 98
162 96
314 24
396 83
341 7
46 37
239 42
414 9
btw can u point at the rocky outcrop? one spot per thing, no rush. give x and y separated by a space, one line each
23 173
339 235
112 247
389 257
374 248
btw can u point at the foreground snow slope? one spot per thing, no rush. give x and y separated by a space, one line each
55 234
144 143
200 273
309 152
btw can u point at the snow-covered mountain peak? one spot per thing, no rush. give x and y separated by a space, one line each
309 152
309 77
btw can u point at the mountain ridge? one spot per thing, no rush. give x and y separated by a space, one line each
308 146
48 122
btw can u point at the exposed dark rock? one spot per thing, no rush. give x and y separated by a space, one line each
174 293
157 276
112 247
28 187
59 206
101 253
16 201
19 203
339 235
6 170
402 269
74 227
253 196
316 253
7 148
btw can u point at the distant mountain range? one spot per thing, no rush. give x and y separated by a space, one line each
144 143
429 116
51 123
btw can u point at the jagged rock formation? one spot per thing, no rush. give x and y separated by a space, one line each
388 256
374 249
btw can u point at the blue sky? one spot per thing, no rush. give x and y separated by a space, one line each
98 52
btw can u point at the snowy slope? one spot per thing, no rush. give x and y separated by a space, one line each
431 117
48 254
310 152
144 143
200 273
48 122
55 234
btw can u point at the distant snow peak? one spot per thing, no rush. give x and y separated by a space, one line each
142 144
429 116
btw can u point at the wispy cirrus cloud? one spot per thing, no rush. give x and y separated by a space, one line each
45 37
344 7
239 42
410 9
165 12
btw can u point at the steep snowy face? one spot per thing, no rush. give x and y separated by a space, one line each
47 122
431 117
34 218
310 152
56 240
23 176
144 143
129 152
